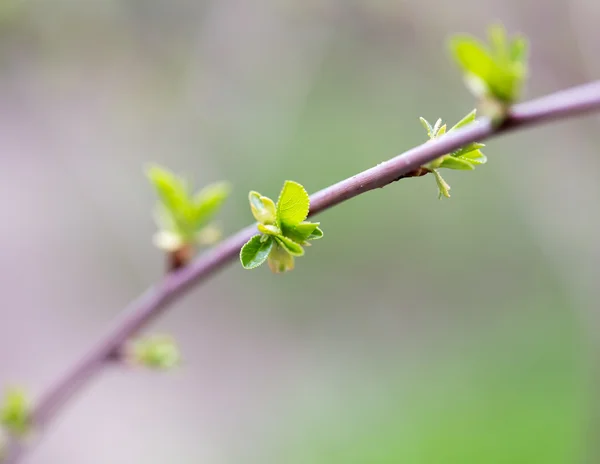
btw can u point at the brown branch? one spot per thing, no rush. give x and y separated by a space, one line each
560 105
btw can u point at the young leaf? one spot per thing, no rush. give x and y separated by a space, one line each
468 119
451 162
301 232
255 252
171 191
269 229
443 187
474 157
263 208
292 205
467 149
437 126
280 260
427 127
290 246
518 50
472 56
317 234
208 201
15 411
499 44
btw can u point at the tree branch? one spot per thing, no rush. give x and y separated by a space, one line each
560 105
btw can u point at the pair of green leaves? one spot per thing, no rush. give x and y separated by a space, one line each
497 72
284 231
182 216
465 158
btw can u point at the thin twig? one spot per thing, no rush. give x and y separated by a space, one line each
560 105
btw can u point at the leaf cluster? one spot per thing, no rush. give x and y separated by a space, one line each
464 158
497 71
284 231
182 216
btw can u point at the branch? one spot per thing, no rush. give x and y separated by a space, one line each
560 105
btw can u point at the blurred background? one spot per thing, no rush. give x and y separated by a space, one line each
418 331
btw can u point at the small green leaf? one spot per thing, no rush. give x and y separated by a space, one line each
255 252
292 205
290 246
179 216
468 119
280 260
518 50
427 127
441 131
472 56
475 157
301 232
15 411
208 201
467 149
317 234
269 229
437 126
443 187
156 352
451 162
498 72
173 196
263 208
499 44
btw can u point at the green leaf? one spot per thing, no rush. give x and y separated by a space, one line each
290 246
468 119
208 201
498 72
474 157
317 234
280 260
468 148
427 127
269 229
472 56
499 44
156 352
441 131
443 187
437 126
451 162
173 196
255 252
518 50
263 208
292 205
15 411
301 232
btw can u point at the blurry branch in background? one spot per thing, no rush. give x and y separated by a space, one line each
495 75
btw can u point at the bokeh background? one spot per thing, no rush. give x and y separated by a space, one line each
419 331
